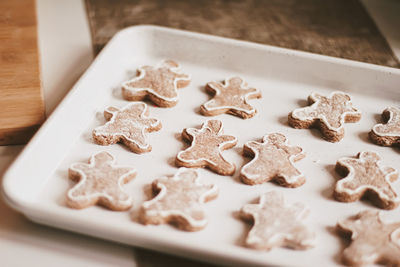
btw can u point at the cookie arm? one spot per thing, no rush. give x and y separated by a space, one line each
137 86
343 166
299 211
302 118
295 151
251 148
189 134
152 124
76 170
253 93
314 97
391 114
169 63
227 141
210 193
213 88
126 174
109 112
347 227
249 211
392 174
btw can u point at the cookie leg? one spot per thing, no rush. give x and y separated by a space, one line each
221 166
254 173
187 159
132 94
103 138
116 200
291 177
302 239
387 199
80 197
329 134
137 143
345 191
358 254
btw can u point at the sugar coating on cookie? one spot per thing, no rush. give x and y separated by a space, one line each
100 182
326 113
273 160
230 97
179 200
372 241
128 125
206 148
276 224
364 176
387 134
159 84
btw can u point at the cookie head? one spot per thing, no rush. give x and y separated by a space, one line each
275 138
369 156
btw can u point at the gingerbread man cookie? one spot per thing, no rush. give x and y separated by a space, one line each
365 176
373 241
206 148
387 134
273 160
179 200
129 126
326 113
160 84
231 97
276 224
100 182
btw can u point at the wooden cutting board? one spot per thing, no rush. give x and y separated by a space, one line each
21 98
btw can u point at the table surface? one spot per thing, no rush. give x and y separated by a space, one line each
66 52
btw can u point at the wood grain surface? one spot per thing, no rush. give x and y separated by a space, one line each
21 100
340 28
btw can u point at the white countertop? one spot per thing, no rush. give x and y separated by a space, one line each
65 49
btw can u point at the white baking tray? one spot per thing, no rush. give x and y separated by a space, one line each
37 182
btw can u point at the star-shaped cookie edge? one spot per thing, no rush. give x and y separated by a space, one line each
347 170
76 174
328 132
243 113
171 217
284 181
190 137
297 208
137 94
111 113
